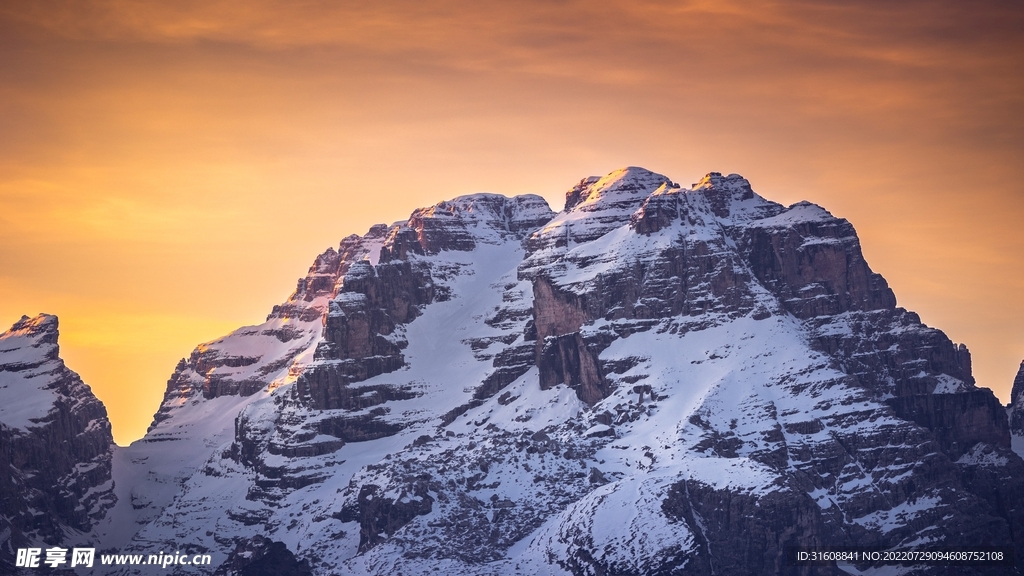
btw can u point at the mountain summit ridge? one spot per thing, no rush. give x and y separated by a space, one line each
653 379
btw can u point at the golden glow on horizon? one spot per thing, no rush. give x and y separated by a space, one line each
168 169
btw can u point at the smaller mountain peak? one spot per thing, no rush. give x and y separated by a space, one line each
35 326
1018 386
634 172
630 184
488 207
377 231
461 223
798 213
477 205
29 340
468 200
716 180
631 175
731 196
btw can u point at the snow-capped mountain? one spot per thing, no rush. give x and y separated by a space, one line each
55 443
655 380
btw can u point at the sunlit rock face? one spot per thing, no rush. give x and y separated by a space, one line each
55 443
657 379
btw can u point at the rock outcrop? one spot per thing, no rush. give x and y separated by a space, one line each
260 556
55 442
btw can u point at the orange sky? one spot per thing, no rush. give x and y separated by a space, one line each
168 170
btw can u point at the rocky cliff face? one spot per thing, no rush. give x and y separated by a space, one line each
1016 408
655 380
55 443
251 358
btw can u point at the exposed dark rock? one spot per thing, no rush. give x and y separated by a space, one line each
958 421
259 556
740 533
561 353
566 359
372 302
357 428
380 514
555 313
815 267
1017 402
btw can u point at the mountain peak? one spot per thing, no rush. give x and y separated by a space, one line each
28 356
462 223
629 184
494 209
716 180
40 324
